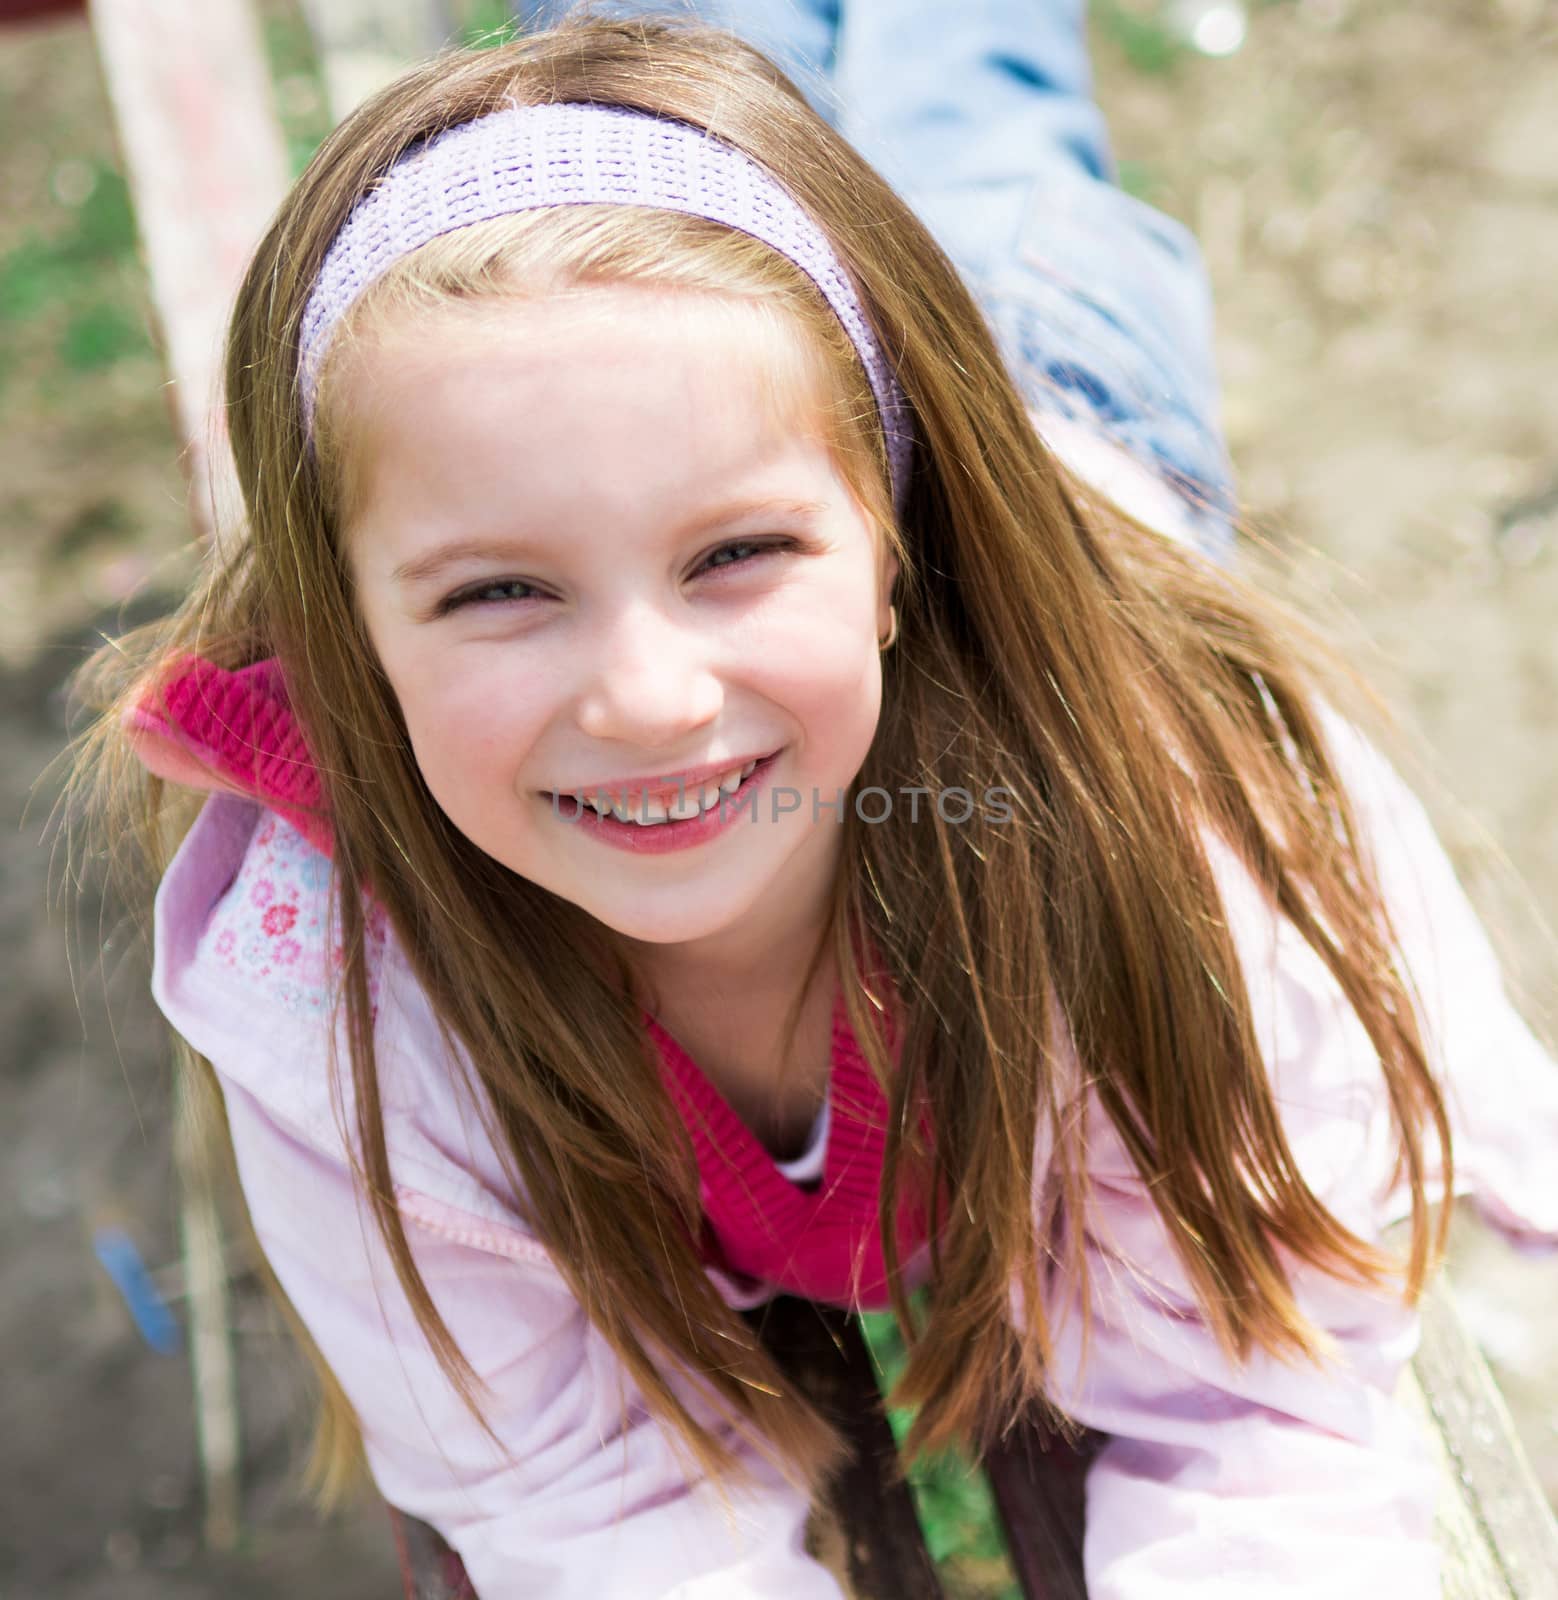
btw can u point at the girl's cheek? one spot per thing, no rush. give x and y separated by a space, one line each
473 723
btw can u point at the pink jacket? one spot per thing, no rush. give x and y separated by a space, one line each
1217 1480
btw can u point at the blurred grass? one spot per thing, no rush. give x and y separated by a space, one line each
71 275
72 293
1141 179
297 80
485 23
1141 33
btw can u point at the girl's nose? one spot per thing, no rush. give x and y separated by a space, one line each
649 683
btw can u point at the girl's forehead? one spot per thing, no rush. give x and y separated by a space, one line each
660 389
716 337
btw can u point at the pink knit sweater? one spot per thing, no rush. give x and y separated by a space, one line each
762 1225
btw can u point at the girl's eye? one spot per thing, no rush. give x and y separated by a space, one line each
760 546
495 593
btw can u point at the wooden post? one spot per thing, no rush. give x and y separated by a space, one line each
206 165
1495 1528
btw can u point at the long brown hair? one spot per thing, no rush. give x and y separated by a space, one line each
1126 693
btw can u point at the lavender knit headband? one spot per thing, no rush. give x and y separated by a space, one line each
523 157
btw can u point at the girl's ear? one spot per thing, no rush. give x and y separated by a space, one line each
885 592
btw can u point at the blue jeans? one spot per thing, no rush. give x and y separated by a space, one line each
981 115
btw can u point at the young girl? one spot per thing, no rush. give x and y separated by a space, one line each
707 803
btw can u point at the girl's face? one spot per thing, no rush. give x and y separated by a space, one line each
593 552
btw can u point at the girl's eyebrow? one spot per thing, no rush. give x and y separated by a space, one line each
425 567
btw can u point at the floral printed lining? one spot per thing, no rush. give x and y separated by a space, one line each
272 926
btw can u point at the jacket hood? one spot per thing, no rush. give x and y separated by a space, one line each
209 728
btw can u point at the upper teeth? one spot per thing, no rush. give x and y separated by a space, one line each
686 804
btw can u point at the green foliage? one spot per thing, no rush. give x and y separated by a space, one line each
1141 34
962 1530
99 335
1140 179
105 223
24 279
100 233
487 23
302 106
72 281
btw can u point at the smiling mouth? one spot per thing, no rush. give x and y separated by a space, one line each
678 805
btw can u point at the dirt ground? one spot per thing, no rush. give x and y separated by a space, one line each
1376 187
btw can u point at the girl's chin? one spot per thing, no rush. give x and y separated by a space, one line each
722 908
